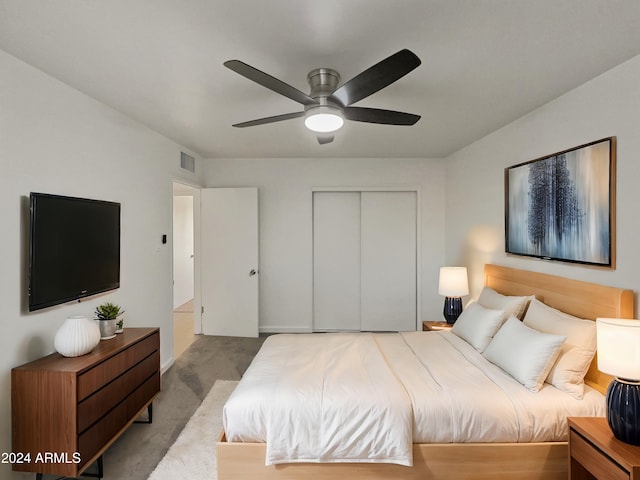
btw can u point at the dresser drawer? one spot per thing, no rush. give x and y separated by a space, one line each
95 406
93 439
597 463
105 372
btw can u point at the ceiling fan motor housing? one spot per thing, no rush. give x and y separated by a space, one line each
323 82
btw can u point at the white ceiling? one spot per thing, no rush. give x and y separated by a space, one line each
484 63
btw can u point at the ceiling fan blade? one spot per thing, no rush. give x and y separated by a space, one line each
277 118
324 139
272 83
375 78
377 115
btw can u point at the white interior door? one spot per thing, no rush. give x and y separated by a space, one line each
388 261
229 259
336 261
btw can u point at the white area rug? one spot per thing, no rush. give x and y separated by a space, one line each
193 455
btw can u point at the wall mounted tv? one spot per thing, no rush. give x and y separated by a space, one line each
74 249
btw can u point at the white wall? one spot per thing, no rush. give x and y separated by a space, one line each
54 139
183 249
606 106
285 210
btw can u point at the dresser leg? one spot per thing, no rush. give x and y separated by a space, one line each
100 473
149 415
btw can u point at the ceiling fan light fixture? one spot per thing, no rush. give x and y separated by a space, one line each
324 119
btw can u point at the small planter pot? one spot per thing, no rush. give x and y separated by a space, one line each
107 328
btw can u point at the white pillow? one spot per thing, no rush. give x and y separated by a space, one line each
477 325
512 305
576 353
525 354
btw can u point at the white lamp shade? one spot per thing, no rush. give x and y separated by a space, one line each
619 347
453 282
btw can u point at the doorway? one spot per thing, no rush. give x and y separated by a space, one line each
185 285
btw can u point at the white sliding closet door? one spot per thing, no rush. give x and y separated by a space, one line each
336 261
364 261
388 261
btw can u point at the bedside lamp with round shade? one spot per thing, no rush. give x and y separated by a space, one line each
619 355
453 285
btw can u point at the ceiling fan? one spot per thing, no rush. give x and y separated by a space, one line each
327 106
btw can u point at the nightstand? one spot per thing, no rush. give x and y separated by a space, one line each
594 453
435 326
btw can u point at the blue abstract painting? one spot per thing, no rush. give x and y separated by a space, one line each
559 207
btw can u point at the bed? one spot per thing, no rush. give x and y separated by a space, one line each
433 459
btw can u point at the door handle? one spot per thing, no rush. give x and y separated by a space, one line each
252 272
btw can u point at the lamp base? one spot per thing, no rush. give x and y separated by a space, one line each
623 410
452 309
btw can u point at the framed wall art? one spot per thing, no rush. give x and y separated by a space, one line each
562 206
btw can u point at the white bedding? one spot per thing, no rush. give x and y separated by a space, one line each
458 396
322 398
361 397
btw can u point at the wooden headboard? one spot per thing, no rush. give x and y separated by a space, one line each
581 299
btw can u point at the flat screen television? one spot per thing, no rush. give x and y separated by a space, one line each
74 249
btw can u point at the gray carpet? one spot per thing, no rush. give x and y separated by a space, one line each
184 386
193 455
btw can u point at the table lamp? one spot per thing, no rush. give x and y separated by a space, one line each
453 285
619 355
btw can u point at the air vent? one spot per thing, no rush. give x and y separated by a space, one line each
187 162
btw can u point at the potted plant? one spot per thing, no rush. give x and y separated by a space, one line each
106 315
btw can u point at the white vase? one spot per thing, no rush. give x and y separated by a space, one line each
77 336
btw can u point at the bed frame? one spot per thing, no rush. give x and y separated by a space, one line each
468 461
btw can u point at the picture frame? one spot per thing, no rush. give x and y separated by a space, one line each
562 206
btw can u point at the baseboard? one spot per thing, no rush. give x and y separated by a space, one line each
166 366
283 329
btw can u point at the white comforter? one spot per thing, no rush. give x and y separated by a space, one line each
458 396
360 397
322 398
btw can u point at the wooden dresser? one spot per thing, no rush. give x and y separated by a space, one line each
67 411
